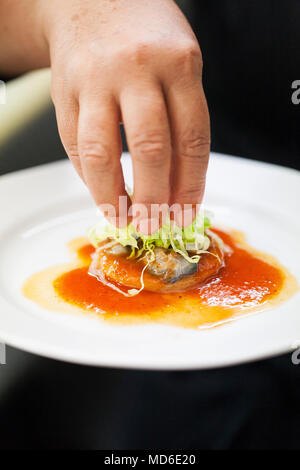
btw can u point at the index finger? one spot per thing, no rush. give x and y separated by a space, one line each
148 135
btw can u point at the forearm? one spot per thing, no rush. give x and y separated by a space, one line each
23 46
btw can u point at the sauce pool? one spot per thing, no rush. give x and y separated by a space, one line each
249 281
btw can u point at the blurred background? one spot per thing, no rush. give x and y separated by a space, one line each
251 53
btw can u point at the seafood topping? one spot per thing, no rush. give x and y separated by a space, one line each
170 266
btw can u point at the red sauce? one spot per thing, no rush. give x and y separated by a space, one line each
245 281
81 289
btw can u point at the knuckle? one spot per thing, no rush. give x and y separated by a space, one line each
94 155
189 194
194 145
72 151
138 53
149 148
190 50
188 57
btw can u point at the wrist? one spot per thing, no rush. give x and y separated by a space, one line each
23 44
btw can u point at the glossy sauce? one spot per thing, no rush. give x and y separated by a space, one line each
249 281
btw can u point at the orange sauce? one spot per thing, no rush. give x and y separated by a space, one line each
249 281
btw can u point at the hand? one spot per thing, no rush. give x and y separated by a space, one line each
136 62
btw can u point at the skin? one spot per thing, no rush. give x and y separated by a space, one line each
136 62
127 272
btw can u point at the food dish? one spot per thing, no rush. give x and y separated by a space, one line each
160 263
38 222
246 282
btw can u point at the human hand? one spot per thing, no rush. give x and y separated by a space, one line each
136 62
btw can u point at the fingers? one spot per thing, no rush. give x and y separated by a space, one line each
99 145
67 121
148 135
189 120
167 129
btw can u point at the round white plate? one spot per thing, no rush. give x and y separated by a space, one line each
41 209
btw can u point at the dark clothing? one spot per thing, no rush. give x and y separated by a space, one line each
251 53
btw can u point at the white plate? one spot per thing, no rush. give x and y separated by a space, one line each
43 208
